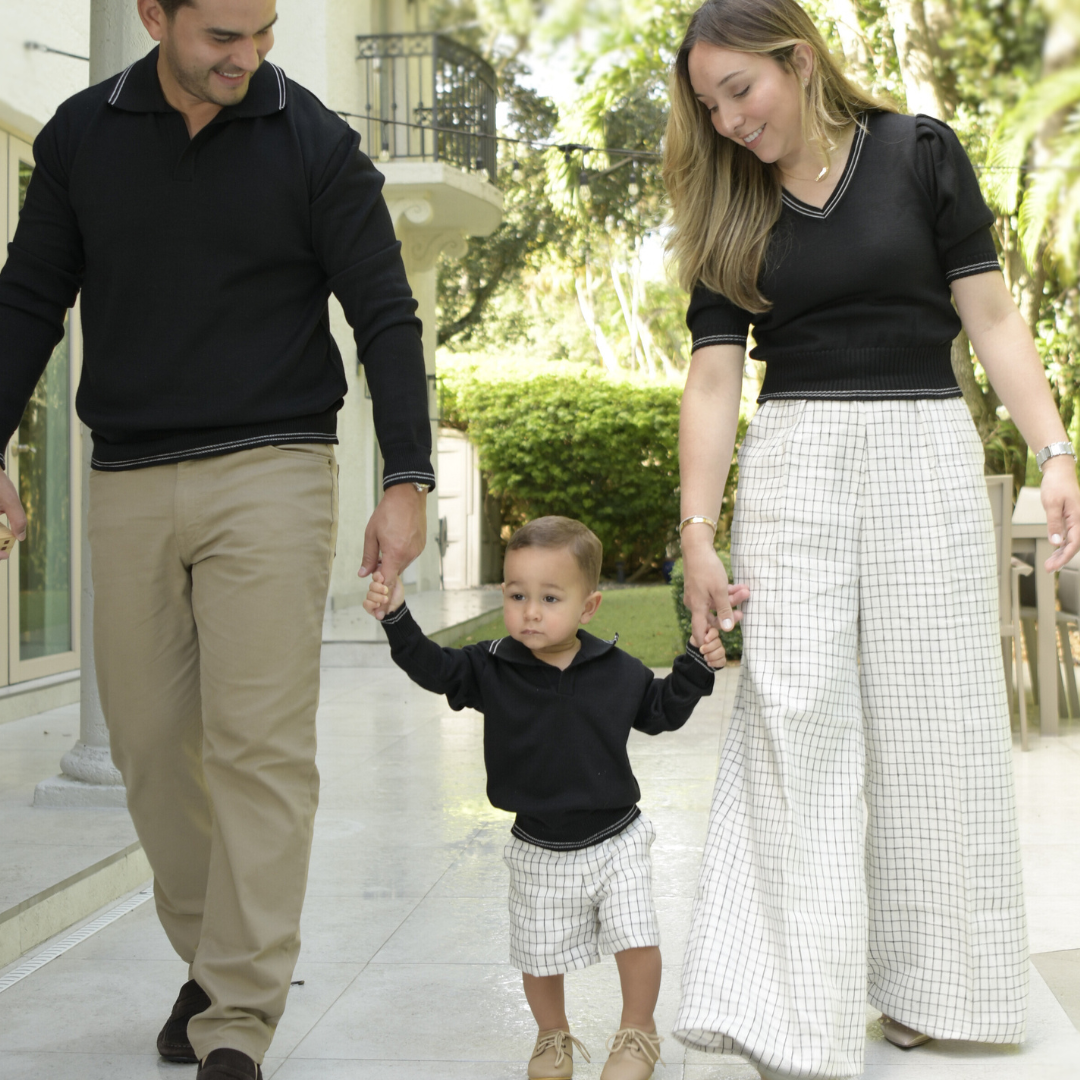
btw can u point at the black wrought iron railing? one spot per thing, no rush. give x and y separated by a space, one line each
427 98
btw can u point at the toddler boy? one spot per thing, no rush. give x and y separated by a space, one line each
558 707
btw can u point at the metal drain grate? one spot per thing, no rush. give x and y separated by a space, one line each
80 935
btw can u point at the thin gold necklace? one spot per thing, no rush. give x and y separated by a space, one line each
819 177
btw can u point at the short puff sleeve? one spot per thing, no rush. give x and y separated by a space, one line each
714 320
962 219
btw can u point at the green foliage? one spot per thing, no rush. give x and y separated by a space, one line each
731 639
601 450
642 616
527 233
545 285
1050 209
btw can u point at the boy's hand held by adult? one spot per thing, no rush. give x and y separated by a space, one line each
381 598
11 505
712 648
1061 500
396 533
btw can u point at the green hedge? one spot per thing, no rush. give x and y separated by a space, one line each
601 450
582 444
731 639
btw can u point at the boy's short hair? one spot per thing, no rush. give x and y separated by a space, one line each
563 532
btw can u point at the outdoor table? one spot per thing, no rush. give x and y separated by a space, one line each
1029 535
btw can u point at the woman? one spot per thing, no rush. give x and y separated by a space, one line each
872 691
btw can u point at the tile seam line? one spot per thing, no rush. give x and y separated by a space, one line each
67 883
419 901
315 1023
46 956
368 963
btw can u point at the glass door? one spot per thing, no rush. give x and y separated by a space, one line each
43 571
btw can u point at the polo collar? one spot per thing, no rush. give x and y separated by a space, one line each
137 89
514 652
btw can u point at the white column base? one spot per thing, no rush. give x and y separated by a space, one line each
89 779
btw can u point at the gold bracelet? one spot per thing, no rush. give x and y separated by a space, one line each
696 519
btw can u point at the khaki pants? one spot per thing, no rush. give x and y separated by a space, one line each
210 581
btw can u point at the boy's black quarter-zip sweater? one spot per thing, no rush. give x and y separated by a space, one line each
205 266
555 740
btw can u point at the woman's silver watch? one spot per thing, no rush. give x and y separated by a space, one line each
1055 449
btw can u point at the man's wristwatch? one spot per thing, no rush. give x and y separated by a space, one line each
422 488
1055 449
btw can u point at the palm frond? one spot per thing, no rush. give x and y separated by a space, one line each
1020 126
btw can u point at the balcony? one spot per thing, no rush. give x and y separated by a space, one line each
427 98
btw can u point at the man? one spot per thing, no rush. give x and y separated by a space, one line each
206 206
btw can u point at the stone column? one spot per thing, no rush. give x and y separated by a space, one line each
89 777
423 239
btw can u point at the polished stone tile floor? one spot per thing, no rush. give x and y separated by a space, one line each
404 973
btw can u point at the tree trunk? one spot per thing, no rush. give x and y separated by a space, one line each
588 313
915 51
845 16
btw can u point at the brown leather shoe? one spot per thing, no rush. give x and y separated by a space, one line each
901 1035
228 1065
172 1042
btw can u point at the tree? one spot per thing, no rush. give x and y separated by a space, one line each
528 229
1036 158
965 62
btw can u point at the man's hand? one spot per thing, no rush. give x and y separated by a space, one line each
396 533
10 505
380 600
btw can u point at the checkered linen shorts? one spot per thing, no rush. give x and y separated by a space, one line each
863 838
566 907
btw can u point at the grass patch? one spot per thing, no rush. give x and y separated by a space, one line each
643 617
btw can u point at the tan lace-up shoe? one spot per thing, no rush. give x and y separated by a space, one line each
553 1056
633 1055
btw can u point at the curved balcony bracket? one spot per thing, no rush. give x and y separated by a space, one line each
420 248
410 212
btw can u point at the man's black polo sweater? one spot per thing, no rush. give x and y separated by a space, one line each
555 741
205 266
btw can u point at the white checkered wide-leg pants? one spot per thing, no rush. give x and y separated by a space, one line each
863 838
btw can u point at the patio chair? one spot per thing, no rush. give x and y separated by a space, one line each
1068 588
1068 617
1010 571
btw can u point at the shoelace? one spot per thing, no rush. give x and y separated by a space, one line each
648 1046
559 1039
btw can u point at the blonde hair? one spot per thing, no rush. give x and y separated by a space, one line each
724 200
563 532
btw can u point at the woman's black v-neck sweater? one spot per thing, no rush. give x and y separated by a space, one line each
860 287
555 740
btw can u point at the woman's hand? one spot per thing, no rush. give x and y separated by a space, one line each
1004 346
706 592
1061 500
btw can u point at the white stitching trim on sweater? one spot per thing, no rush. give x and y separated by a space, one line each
945 391
235 444
120 84
281 84
572 845
972 268
718 339
834 199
